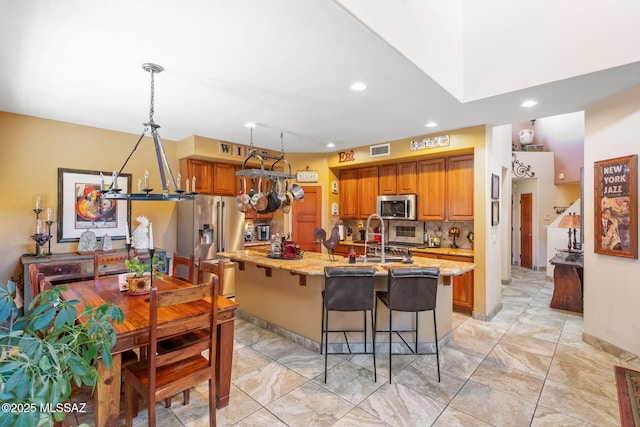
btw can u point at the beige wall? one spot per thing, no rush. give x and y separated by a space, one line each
32 150
611 286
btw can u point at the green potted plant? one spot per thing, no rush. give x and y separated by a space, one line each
43 352
139 276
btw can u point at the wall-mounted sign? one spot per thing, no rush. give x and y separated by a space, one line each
307 176
334 186
434 142
346 156
225 148
334 209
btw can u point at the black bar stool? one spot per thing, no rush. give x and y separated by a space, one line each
410 289
348 289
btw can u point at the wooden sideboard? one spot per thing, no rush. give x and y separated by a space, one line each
72 266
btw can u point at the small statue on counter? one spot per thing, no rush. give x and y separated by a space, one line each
87 242
105 243
320 235
140 235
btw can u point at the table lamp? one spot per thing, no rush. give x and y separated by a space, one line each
571 221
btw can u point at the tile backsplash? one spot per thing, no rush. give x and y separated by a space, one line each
413 231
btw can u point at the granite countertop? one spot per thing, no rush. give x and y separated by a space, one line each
313 263
435 251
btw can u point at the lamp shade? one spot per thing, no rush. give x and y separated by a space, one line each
570 221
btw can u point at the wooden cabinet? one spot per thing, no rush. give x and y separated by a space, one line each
387 178
460 188
202 170
462 286
367 191
407 178
349 194
225 182
431 189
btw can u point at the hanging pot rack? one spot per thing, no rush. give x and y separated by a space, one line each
264 173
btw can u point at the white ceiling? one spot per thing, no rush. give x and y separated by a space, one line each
283 64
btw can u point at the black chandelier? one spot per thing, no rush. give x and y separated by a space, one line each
146 193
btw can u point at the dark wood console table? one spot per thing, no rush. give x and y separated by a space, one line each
567 283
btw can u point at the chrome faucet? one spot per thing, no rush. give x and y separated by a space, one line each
381 234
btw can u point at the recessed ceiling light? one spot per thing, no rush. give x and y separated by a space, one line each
331 145
358 86
249 125
431 124
529 103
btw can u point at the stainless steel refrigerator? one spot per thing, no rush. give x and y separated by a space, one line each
208 225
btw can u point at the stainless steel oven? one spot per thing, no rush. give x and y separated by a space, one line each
401 207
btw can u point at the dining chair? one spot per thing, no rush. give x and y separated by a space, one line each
35 286
182 263
216 269
410 289
348 289
163 375
106 264
213 267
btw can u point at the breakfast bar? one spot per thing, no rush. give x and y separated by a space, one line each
284 295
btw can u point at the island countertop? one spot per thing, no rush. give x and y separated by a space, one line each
313 263
440 250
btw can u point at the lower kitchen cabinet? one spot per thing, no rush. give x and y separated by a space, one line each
462 285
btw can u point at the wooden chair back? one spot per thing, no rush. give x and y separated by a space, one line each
107 264
187 265
36 284
166 374
213 267
33 272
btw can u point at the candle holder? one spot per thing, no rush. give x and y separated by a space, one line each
151 252
128 247
49 223
40 240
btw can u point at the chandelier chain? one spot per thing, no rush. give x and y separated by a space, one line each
153 89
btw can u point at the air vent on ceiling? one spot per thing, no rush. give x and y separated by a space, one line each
379 150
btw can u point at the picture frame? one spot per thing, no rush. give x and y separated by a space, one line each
79 210
495 187
495 212
615 206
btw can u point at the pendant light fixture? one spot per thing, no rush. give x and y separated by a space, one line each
146 193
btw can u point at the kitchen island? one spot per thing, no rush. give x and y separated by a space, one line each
284 296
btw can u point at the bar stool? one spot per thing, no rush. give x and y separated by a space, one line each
347 289
410 289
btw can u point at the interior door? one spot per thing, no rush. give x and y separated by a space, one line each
526 235
306 217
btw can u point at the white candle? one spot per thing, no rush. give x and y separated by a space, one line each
146 179
126 230
115 177
49 214
193 184
187 180
37 201
101 181
150 236
178 181
139 185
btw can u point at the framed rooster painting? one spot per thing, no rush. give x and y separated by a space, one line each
80 207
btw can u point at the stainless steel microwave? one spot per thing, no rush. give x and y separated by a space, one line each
397 207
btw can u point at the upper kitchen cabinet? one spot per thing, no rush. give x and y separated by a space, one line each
367 191
202 171
460 188
349 194
431 189
407 178
225 182
387 178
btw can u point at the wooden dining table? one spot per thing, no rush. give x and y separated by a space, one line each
133 333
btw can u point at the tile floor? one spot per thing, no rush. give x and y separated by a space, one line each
527 367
